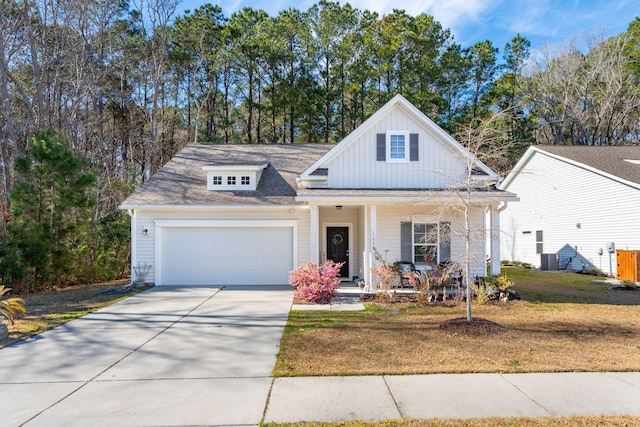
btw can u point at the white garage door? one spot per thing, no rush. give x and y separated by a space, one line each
226 256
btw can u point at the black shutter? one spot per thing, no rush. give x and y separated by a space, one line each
413 147
381 148
406 241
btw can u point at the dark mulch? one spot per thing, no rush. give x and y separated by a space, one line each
477 326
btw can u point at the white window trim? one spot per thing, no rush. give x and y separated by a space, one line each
404 133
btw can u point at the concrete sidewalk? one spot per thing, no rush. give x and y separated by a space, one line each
369 398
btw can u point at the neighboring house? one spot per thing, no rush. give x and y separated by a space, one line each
577 204
248 214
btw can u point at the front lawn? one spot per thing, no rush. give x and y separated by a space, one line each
563 323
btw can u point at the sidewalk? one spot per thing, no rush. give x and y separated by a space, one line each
370 398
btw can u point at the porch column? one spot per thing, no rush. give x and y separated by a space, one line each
314 220
373 228
494 230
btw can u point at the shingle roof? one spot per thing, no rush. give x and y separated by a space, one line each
183 182
609 159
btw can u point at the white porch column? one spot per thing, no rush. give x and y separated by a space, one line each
373 244
366 252
494 230
314 231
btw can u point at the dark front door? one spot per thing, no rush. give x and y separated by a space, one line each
338 247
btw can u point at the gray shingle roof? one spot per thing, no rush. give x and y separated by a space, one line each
609 159
183 182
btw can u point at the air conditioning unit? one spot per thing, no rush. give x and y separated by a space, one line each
548 262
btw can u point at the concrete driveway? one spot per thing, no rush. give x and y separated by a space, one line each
168 356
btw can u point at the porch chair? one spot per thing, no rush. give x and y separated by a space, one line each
405 268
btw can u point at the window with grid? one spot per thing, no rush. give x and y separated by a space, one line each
539 242
217 180
397 147
245 180
425 244
231 180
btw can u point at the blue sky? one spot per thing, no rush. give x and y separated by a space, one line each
541 21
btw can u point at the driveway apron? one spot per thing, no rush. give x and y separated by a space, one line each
168 356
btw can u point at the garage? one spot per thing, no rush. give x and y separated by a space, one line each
228 253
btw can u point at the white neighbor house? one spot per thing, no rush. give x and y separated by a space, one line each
248 214
578 202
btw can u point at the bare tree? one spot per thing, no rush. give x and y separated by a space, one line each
485 144
585 99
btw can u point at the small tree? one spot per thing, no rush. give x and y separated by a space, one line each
51 198
485 143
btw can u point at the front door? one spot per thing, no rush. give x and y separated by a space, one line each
338 247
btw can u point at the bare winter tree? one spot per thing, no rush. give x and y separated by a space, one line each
485 144
585 99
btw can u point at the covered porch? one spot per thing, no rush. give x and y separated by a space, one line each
425 232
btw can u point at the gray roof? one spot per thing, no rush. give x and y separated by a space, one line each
183 182
609 159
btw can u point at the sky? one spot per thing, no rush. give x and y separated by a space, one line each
471 21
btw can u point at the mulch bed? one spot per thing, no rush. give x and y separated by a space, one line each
477 326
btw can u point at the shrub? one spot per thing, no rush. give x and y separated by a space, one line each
315 283
11 306
494 287
629 284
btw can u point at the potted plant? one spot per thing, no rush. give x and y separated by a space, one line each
9 308
140 272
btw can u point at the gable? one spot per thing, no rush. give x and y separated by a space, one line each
429 159
610 162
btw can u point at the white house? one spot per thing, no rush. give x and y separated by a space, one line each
248 214
577 202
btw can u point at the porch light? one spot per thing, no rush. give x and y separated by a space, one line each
339 207
145 231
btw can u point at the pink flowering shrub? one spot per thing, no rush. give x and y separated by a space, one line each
315 283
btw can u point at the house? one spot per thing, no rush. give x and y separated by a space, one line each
248 214
578 204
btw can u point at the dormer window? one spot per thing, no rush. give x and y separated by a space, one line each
234 177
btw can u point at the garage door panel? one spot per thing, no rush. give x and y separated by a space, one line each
214 256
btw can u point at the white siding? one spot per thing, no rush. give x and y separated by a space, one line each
145 245
356 167
578 211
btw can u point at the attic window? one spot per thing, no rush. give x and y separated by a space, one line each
237 177
231 180
397 147
217 180
245 180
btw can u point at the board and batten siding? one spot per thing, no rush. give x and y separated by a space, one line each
388 233
578 211
145 245
357 166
